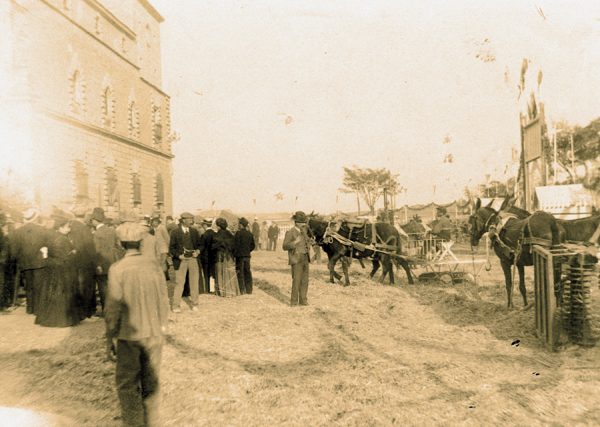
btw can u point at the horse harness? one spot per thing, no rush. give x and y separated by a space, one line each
383 248
496 235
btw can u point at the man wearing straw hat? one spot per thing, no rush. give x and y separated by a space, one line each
137 311
29 248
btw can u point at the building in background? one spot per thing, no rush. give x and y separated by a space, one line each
83 118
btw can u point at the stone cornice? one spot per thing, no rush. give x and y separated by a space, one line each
106 133
156 88
151 10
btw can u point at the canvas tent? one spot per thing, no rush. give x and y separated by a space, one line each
565 201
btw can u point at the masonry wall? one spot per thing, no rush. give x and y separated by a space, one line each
57 39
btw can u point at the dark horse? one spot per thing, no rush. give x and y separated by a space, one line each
361 236
513 242
580 230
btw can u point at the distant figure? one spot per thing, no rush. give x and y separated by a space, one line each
256 232
170 224
264 236
273 236
243 245
57 303
137 310
297 243
442 227
162 239
225 275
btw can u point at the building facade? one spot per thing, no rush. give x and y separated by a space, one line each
85 121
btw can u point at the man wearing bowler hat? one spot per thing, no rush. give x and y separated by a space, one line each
297 243
184 248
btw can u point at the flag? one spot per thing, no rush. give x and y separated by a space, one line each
279 196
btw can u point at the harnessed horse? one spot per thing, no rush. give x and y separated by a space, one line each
375 241
513 242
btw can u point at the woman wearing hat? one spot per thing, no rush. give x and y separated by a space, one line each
57 299
225 274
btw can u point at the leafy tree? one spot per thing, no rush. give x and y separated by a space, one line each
369 184
586 148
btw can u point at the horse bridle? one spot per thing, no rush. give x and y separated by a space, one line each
487 225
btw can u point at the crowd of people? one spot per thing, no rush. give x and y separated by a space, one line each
62 261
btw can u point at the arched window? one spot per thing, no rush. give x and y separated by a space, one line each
108 108
77 88
133 120
136 189
81 181
112 187
156 125
160 191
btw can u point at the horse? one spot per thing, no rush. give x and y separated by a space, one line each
580 230
353 241
513 242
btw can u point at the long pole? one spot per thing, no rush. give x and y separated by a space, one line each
572 156
555 163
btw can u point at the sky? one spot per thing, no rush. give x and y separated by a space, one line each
278 96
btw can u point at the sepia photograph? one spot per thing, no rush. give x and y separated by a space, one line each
299 213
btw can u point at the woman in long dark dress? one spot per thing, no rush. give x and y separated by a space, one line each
58 303
225 275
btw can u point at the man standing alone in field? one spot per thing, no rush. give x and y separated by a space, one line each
296 242
137 310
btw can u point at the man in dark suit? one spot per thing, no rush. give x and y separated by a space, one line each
85 260
273 236
184 248
29 249
207 255
108 250
243 245
297 243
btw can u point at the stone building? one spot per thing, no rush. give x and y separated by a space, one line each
84 119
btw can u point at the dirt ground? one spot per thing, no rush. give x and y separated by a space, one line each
364 355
